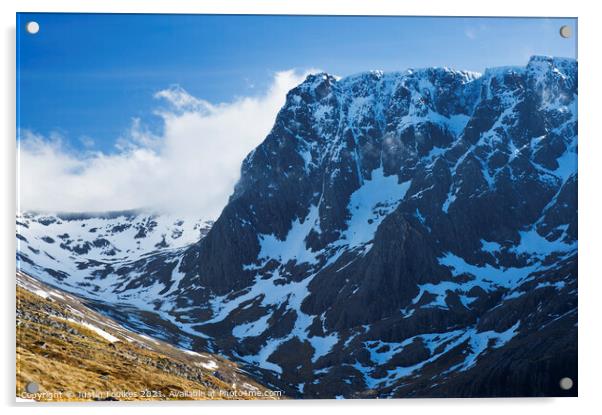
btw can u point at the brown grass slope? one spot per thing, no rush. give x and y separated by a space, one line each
58 349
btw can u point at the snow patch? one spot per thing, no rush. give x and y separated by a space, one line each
107 336
210 365
370 204
293 246
252 329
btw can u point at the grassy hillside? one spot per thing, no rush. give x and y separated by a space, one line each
75 354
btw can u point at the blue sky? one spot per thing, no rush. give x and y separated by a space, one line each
85 76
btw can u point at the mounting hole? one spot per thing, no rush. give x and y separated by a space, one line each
566 383
565 31
32 387
32 27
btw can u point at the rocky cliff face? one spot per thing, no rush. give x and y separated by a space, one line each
402 234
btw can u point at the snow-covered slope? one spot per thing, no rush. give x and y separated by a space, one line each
401 234
111 236
110 256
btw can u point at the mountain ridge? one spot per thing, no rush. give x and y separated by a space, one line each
388 225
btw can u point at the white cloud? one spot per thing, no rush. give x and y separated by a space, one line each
190 169
86 141
470 33
183 101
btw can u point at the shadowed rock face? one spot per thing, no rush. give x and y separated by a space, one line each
402 234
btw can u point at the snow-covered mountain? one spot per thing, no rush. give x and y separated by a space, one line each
101 253
399 234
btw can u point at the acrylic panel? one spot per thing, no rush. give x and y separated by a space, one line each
295 207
